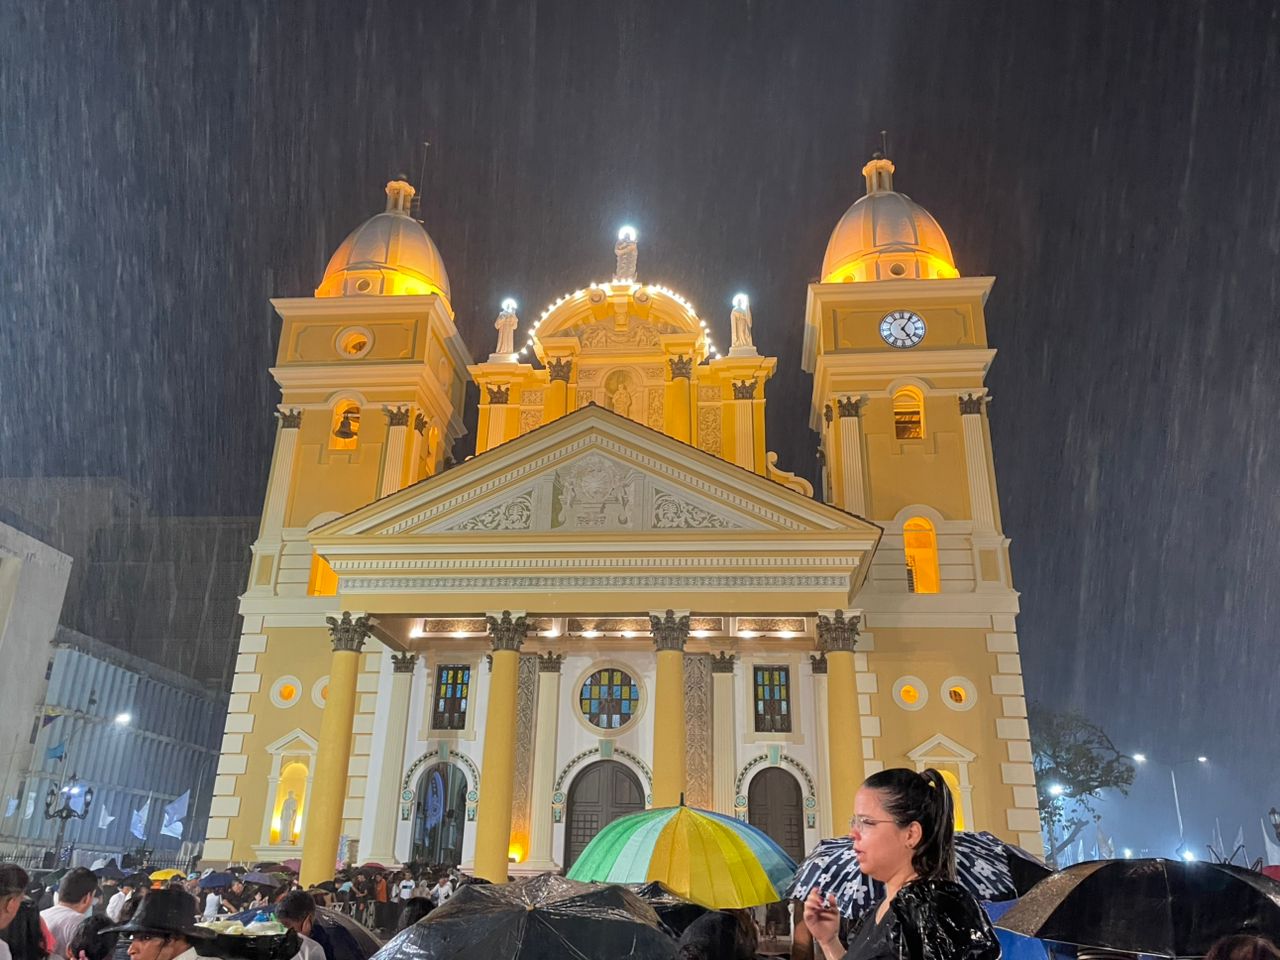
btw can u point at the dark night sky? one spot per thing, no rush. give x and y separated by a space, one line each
166 167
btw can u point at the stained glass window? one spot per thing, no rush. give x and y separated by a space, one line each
453 692
773 699
609 698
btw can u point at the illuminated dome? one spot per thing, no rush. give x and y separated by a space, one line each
886 236
387 255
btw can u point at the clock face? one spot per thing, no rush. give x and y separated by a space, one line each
902 329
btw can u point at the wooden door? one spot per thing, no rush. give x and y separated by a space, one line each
774 805
600 794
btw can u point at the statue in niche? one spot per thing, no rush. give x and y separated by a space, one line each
740 321
289 814
627 251
620 401
506 326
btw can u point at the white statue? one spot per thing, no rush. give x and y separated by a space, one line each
740 320
621 401
506 326
288 814
626 250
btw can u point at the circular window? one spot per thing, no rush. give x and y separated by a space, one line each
320 692
897 269
286 691
910 693
363 285
609 698
959 693
353 343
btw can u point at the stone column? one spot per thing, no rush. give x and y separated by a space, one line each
393 458
744 441
281 473
678 422
837 638
853 495
818 662
497 412
559 369
333 752
976 466
724 734
669 635
418 438
387 816
545 738
498 765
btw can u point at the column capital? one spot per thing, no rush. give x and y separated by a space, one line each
419 422
349 634
819 663
837 634
560 368
828 414
550 662
723 662
973 403
397 416
744 389
403 662
669 632
289 419
498 395
506 632
681 367
849 406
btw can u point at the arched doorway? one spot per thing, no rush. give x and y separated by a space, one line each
775 805
439 816
600 794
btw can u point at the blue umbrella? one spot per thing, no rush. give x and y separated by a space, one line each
217 881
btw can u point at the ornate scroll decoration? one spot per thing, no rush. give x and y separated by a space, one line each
819 663
681 367
560 369
397 416
550 662
810 798
290 419
506 633
515 514
827 414
972 403
709 429
498 394
522 788
672 513
655 415
403 662
838 634
530 419
850 406
419 422
744 389
723 662
669 632
348 634
638 334
697 717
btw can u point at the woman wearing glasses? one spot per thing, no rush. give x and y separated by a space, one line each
903 836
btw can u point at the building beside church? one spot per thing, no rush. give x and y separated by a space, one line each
622 598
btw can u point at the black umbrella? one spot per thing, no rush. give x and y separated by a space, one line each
363 943
673 910
108 871
1168 908
541 918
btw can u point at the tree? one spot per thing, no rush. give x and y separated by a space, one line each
1074 762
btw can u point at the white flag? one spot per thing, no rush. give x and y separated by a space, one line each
31 806
105 819
1239 845
174 814
10 806
1272 848
138 823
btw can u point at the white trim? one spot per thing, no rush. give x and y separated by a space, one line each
317 690
345 332
921 688
965 684
278 699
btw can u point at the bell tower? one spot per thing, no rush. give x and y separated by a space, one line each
896 341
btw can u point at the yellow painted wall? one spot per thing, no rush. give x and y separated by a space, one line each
904 472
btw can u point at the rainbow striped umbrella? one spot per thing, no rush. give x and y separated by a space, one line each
706 857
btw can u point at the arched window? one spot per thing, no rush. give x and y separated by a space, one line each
908 414
344 432
921 547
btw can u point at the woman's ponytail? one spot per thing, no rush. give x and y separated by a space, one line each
923 798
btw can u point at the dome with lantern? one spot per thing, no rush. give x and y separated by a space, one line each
886 235
390 254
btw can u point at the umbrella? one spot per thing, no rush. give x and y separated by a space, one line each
675 911
986 866
539 918
266 879
363 943
372 865
217 881
1169 908
293 866
108 871
162 876
268 867
706 857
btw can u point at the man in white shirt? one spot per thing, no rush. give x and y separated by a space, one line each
297 911
76 891
442 891
164 927
407 886
13 883
115 906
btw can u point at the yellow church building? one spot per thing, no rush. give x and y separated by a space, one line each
622 598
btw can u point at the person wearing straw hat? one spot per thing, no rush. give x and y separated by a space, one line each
164 927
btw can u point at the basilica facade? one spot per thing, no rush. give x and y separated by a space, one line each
622 600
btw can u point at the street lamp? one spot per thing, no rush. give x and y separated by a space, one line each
70 792
1274 816
1173 779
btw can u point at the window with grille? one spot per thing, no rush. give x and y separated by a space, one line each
609 698
453 692
908 414
773 699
